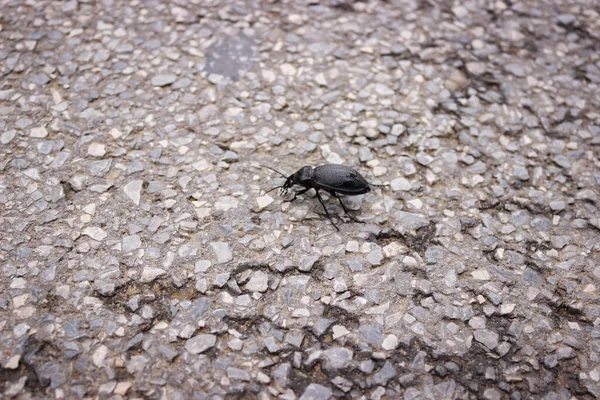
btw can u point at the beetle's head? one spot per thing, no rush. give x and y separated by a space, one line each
300 177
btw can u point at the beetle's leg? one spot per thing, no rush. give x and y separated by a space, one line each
352 217
325 208
296 194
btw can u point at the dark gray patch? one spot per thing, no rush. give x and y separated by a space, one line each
229 56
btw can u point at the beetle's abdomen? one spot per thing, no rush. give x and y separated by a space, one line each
340 179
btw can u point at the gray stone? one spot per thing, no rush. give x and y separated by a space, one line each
321 326
564 352
355 263
281 374
133 190
400 184
307 262
16 387
551 361
95 233
364 154
372 333
258 282
562 161
100 168
40 79
221 279
222 252
517 69
434 254
520 172
375 256
164 80
7 136
200 343
208 112
237 373
492 394
476 68
97 149
385 374
301 127
131 243
182 83
314 391
339 285
202 266
271 344
235 344
105 288
558 205
295 338
398 129
337 358
38 132
487 338
149 274
167 352
477 323
587 194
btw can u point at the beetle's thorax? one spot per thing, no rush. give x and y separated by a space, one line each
303 176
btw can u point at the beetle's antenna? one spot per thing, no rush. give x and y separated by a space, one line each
379 185
264 166
276 187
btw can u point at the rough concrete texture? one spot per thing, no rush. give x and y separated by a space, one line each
140 257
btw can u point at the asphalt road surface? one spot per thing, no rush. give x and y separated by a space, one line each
140 257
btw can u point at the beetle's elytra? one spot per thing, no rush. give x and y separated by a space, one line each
333 178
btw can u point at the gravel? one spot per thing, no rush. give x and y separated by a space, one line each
141 256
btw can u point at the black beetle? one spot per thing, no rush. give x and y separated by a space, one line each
333 178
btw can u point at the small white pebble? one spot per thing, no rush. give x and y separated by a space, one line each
264 202
339 331
390 342
352 246
97 150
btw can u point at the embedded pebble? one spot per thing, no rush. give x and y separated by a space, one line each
400 184
258 282
149 274
487 337
133 190
99 356
97 150
222 252
38 132
95 233
264 202
315 391
200 343
163 80
131 243
307 263
7 136
390 342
